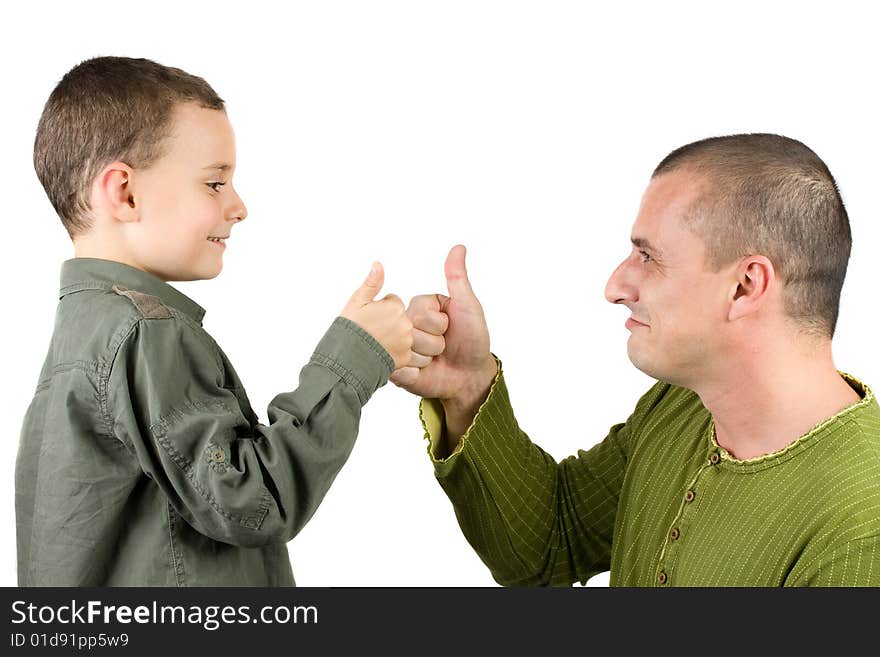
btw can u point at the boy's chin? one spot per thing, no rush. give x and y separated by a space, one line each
210 274
201 274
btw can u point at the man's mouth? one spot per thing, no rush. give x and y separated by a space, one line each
632 322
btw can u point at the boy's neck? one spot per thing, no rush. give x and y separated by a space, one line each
92 247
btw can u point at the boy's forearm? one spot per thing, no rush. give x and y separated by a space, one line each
316 425
232 478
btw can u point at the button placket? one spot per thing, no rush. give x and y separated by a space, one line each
678 529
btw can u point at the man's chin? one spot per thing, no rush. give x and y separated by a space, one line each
645 369
642 362
637 358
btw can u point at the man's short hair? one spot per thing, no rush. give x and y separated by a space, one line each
771 195
107 109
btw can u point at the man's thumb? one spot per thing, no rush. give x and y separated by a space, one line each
371 286
456 273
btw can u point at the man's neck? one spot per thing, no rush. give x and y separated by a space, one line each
767 401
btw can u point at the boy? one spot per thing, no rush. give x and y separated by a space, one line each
141 461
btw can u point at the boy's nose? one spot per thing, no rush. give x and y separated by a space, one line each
238 210
619 289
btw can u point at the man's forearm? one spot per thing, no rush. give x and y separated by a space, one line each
461 409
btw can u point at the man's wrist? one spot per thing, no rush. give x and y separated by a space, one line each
474 393
461 409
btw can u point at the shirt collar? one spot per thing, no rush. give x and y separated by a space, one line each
80 274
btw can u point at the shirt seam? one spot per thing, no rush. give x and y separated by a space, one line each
85 285
87 366
176 561
106 371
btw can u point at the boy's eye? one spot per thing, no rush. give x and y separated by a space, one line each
215 185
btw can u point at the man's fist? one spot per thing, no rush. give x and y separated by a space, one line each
386 320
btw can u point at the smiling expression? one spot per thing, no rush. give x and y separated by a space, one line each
678 307
186 203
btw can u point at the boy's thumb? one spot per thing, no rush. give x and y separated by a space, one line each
371 286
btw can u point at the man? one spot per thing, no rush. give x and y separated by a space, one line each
752 461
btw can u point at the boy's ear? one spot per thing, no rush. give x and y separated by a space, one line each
114 192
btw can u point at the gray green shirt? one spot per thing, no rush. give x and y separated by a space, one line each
141 461
660 503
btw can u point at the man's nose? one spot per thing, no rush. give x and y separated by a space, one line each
620 288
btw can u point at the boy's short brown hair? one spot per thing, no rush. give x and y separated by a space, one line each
102 110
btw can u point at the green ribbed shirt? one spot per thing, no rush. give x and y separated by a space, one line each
659 503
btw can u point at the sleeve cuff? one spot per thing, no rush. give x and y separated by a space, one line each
355 356
433 421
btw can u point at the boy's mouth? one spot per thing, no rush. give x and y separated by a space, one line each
218 240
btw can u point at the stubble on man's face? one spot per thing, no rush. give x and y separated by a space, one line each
674 300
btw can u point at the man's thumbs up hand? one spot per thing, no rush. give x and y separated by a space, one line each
386 320
451 359
467 337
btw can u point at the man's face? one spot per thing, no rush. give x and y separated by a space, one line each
186 199
678 308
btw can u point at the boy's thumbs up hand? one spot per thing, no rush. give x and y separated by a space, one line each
386 320
451 359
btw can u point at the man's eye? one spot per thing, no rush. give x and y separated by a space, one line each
215 185
646 257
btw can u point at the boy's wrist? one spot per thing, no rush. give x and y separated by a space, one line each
355 356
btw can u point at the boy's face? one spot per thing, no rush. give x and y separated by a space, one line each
185 200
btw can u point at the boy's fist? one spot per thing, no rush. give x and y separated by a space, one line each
386 320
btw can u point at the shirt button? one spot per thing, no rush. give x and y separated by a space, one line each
674 534
218 456
689 496
662 577
714 458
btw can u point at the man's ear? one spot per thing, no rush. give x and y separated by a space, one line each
113 192
754 278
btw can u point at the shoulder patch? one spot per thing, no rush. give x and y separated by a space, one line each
149 306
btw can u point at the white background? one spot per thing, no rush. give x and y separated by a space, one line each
394 130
